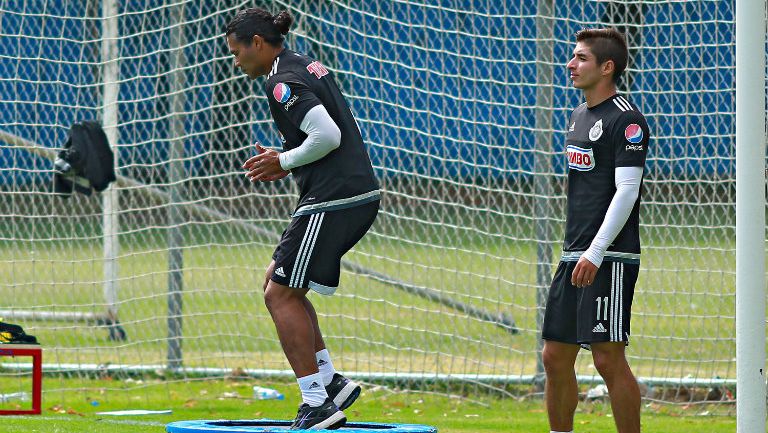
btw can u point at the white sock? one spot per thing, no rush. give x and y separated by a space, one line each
312 389
325 366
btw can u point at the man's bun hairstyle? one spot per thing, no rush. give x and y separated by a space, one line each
282 22
254 21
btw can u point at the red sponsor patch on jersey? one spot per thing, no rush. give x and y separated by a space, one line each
580 159
317 69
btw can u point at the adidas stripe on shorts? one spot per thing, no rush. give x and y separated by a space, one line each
597 313
310 250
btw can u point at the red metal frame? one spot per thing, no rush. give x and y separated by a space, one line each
36 352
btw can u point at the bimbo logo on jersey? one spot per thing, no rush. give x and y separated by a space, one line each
281 92
580 159
633 133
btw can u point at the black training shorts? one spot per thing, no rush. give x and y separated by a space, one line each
310 250
596 313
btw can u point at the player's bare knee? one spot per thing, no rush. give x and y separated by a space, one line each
554 362
271 299
276 295
608 363
268 275
273 296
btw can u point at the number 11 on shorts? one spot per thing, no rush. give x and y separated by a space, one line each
604 301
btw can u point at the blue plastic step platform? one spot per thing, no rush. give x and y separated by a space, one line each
276 426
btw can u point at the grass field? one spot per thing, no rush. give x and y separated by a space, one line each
74 410
683 323
224 281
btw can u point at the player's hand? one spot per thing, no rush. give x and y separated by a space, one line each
584 273
248 164
264 166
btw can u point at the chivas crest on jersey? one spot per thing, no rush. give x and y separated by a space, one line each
596 131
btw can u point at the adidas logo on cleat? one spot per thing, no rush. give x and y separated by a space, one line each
599 328
279 271
314 385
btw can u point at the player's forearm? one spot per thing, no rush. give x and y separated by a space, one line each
323 136
627 181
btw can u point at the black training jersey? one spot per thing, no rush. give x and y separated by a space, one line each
341 179
611 134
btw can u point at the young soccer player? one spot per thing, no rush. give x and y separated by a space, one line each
591 294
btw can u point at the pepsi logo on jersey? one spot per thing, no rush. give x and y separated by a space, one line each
281 92
580 159
291 101
633 133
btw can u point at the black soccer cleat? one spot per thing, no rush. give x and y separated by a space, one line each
326 416
342 391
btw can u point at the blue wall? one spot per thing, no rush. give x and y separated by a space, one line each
431 96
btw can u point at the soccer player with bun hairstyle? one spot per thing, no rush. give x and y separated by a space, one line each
338 202
590 299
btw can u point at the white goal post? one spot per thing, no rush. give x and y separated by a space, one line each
751 175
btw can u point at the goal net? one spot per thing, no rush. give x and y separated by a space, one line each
463 105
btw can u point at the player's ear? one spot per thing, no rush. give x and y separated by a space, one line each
257 41
608 67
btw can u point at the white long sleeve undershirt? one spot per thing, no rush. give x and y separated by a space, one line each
627 180
323 136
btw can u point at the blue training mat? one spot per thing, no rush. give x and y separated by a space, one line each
276 426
